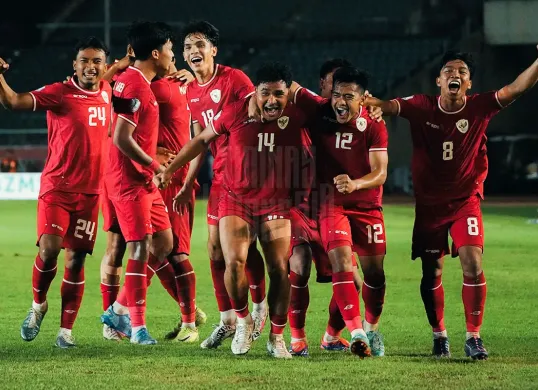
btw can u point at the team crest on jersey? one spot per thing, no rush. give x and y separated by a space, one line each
462 125
215 95
361 124
183 89
283 122
104 95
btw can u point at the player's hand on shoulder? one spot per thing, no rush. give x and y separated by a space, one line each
344 184
4 66
253 109
125 62
164 156
375 113
182 75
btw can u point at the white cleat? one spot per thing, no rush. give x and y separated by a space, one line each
243 338
65 340
276 347
259 318
111 334
219 334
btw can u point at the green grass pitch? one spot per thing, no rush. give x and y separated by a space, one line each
509 331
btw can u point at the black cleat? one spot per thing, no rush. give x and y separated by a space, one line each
474 348
441 347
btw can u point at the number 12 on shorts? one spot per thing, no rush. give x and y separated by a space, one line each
374 233
86 227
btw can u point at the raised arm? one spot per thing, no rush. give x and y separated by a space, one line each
123 139
389 107
10 99
193 149
521 84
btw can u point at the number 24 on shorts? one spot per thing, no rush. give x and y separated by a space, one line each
86 227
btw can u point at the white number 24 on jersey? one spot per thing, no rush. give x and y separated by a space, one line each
96 114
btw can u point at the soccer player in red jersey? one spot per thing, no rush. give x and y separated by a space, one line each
257 197
351 155
449 167
306 246
217 85
78 117
138 205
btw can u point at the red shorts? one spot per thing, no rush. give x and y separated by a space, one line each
72 216
361 229
110 219
182 224
304 231
461 218
215 193
253 214
143 215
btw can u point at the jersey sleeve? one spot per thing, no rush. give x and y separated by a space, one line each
487 104
308 101
222 122
48 97
162 91
378 139
410 106
242 86
128 104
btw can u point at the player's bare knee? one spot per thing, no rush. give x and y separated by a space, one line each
115 250
139 250
341 259
277 270
50 247
214 249
301 260
432 267
471 260
74 260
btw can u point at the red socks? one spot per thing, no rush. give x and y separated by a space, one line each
135 291
217 274
240 306
347 298
373 294
165 273
109 294
72 291
42 276
186 289
278 323
433 296
300 298
255 270
474 299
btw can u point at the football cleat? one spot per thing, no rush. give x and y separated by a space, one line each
219 334
339 345
201 319
120 323
111 334
474 348
376 343
299 348
142 337
188 335
259 318
360 346
242 340
441 347
32 324
65 340
276 347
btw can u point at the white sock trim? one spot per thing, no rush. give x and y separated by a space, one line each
351 281
474 285
69 282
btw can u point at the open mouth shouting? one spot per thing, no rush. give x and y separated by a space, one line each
196 60
454 86
342 113
271 111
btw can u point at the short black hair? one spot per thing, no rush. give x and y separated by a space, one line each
210 32
330 65
273 71
350 74
144 37
91 42
453 55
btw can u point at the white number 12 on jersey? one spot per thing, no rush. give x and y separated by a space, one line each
343 140
96 114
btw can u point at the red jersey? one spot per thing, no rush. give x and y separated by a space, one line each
227 86
174 118
343 149
77 122
124 177
264 157
449 148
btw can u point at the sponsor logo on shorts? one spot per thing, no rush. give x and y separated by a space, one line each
348 307
212 217
432 251
140 302
341 232
57 227
271 217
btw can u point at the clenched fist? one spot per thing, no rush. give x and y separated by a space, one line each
344 184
